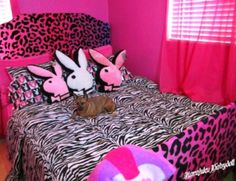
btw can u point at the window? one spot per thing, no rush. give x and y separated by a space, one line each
5 11
202 20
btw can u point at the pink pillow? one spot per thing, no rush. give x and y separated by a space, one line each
6 114
4 96
108 75
130 162
54 83
5 81
5 110
21 62
106 50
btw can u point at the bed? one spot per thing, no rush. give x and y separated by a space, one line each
45 144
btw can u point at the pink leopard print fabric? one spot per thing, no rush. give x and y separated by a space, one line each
34 34
203 147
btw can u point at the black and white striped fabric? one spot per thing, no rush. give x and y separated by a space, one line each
48 145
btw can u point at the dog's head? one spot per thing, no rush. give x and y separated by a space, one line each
81 102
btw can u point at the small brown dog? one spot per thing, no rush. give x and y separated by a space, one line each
93 106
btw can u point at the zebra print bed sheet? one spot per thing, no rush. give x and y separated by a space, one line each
45 144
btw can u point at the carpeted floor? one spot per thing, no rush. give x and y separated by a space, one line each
4 163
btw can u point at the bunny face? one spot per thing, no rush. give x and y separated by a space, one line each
55 83
80 80
109 73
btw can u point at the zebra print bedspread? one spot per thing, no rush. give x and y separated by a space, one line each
47 145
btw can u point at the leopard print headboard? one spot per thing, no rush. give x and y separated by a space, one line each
34 34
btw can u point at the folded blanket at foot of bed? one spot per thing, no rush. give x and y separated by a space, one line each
132 163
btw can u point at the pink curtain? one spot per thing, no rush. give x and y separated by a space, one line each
201 63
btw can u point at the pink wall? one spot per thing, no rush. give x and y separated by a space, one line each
138 27
96 8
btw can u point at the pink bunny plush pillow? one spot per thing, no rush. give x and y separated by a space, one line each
132 163
79 80
108 75
55 84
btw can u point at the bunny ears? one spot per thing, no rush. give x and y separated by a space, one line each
79 80
119 58
108 74
55 84
45 73
69 63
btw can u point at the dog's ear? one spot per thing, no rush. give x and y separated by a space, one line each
75 96
86 96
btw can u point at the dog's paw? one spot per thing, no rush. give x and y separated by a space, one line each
115 113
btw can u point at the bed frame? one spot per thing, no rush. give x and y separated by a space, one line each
34 34
202 146
206 145
29 35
